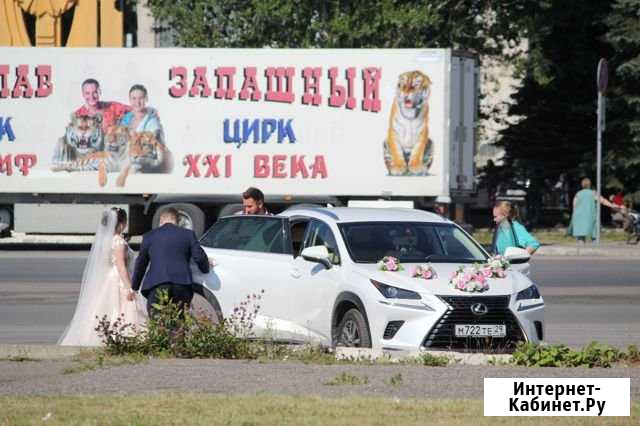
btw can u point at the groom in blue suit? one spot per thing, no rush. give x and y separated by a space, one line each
168 249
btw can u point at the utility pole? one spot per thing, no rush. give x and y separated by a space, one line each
602 80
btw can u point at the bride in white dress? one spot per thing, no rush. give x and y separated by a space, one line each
106 284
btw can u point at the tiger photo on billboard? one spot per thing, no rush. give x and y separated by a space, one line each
408 151
110 137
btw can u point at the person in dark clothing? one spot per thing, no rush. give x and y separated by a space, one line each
165 254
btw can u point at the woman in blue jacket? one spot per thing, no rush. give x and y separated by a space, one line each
509 232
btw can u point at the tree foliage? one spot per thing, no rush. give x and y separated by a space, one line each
557 100
475 25
623 127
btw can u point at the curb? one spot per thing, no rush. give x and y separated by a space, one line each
455 358
39 352
10 352
590 251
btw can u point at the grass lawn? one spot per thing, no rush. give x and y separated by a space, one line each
262 409
553 236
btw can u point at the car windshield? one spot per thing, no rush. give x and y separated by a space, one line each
410 242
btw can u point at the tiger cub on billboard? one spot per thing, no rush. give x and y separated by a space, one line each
111 159
407 148
146 154
83 136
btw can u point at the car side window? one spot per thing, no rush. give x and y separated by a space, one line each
455 245
298 233
321 235
261 234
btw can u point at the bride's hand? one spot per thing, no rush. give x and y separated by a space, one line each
131 296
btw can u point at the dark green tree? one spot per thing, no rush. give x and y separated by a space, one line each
556 103
622 137
475 25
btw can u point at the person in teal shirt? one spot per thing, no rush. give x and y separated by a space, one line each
583 219
509 232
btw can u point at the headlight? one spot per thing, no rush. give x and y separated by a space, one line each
529 293
391 292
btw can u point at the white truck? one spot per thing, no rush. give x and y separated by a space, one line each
193 128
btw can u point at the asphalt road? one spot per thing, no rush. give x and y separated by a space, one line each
293 378
587 298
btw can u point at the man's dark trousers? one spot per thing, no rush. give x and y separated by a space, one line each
167 252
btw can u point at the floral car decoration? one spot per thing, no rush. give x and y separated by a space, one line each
475 278
470 278
390 263
498 264
426 272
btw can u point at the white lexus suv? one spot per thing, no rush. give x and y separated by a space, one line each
322 281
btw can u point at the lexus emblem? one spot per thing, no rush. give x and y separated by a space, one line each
479 309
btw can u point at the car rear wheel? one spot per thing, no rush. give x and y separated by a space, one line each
204 303
353 331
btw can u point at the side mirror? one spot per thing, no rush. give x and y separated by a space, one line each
318 254
516 255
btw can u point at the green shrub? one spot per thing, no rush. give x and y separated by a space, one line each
176 332
432 360
593 355
396 380
345 378
632 355
120 337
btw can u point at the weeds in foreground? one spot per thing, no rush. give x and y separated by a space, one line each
94 361
345 378
633 356
264 409
396 380
593 355
430 360
269 350
495 361
173 331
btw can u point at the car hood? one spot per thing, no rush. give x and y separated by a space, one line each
512 283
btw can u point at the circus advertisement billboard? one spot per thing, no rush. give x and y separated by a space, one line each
205 121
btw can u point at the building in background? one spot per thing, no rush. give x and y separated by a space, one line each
73 23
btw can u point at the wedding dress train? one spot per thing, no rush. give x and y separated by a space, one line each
103 292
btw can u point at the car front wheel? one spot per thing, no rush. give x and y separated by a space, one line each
353 331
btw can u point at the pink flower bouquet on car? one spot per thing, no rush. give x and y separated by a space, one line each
498 266
426 272
470 279
475 278
390 263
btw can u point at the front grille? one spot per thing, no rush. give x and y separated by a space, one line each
442 335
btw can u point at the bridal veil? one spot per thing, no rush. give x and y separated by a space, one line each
81 330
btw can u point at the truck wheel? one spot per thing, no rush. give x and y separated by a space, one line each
189 216
5 222
230 209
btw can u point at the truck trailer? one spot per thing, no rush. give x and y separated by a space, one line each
193 128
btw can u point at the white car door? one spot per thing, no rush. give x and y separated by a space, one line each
313 288
251 256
